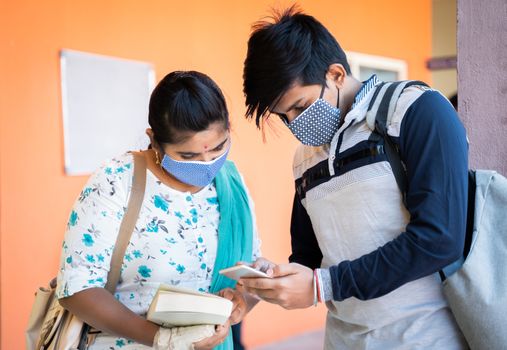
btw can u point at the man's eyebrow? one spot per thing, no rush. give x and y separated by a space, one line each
291 107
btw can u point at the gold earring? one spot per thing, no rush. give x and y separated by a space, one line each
157 159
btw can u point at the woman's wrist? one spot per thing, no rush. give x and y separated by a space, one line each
147 333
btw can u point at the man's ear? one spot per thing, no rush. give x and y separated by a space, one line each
336 73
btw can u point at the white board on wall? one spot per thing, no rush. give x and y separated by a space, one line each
105 108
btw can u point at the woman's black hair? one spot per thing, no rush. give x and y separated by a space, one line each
295 48
185 101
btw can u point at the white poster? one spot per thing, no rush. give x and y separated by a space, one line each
105 108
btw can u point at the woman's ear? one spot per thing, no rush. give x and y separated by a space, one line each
151 135
336 73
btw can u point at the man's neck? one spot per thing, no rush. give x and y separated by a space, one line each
348 93
350 90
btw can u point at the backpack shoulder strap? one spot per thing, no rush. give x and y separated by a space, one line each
383 102
380 111
129 221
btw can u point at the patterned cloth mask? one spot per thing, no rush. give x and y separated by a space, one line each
318 123
194 173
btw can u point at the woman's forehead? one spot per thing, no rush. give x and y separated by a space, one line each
204 140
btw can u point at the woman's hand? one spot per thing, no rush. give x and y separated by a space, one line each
181 337
221 332
239 307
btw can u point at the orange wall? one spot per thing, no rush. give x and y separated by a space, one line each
210 36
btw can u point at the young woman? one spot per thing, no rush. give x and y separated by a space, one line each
188 227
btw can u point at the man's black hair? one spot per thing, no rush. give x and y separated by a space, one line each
294 48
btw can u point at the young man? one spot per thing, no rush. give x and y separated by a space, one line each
355 245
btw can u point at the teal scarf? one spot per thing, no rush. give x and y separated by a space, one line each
235 231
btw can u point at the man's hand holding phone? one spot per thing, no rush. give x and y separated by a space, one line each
288 285
243 271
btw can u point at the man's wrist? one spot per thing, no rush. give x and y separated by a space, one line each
315 289
324 284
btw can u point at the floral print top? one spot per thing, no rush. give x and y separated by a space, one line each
174 241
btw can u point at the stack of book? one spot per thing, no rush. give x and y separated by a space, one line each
174 306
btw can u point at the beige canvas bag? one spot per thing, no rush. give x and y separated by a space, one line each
50 326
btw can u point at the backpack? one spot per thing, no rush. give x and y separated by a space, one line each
475 286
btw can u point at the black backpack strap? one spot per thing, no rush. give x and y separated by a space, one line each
382 111
472 186
379 112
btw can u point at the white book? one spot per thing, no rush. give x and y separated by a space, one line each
175 306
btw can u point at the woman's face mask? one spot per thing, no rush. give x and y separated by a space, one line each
195 173
318 123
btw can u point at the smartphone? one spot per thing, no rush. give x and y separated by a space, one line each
239 271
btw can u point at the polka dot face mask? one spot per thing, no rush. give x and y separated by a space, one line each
194 173
317 124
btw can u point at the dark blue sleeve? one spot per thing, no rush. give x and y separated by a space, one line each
434 148
305 248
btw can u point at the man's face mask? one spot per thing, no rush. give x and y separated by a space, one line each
194 173
318 123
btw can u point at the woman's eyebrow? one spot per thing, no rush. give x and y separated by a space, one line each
191 154
222 143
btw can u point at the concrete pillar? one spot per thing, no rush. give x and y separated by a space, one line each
482 80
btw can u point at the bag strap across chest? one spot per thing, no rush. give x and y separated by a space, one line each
379 146
127 227
129 221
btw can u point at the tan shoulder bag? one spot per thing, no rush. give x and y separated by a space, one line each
50 326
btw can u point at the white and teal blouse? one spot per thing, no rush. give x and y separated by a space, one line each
174 241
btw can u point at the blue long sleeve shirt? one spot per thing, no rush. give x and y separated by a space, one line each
433 147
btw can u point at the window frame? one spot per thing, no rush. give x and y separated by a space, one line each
357 60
